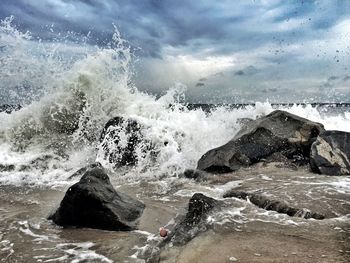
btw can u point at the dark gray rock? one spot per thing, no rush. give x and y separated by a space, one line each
278 132
274 205
94 203
244 121
194 221
7 167
120 152
9 108
83 170
188 226
330 153
197 175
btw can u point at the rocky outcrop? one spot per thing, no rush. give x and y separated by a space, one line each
120 139
274 205
194 221
330 153
278 132
94 203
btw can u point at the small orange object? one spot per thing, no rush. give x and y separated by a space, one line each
163 232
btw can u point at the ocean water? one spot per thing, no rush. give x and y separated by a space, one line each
68 92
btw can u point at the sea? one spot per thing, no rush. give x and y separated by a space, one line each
68 90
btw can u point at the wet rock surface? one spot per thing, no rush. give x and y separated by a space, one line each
83 170
188 227
199 207
120 139
274 205
197 175
7 167
8 108
94 203
330 153
278 132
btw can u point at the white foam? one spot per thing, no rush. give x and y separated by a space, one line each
88 87
79 252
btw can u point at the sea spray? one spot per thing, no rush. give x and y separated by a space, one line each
80 88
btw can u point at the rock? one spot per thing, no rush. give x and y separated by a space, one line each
278 132
244 121
7 167
187 227
119 140
330 153
194 222
8 108
197 175
274 205
94 203
83 170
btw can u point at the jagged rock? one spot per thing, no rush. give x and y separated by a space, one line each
274 205
195 220
94 203
119 140
330 153
277 132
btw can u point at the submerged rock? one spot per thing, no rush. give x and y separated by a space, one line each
274 205
187 228
120 140
330 153
194 222
197 175
94 203
278 132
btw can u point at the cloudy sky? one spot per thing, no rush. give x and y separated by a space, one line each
223 51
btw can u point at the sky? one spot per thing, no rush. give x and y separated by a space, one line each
223 51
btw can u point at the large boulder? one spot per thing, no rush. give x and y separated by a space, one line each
330 153
120 140
94 203
278 132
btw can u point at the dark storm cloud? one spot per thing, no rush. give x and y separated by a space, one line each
192 26
289 42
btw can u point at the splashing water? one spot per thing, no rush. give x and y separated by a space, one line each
69 91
